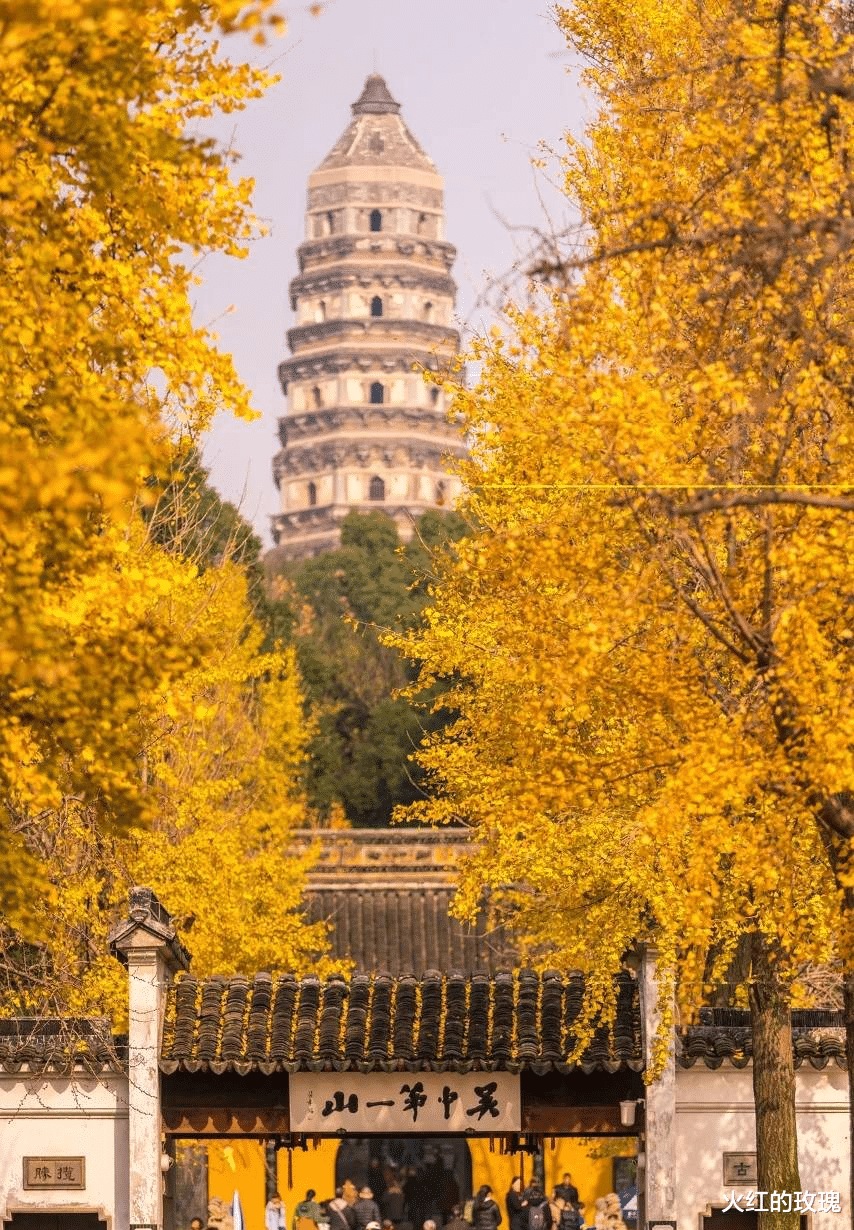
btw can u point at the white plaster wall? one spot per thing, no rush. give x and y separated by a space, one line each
66 1118
714 1115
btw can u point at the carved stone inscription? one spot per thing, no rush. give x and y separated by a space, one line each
54 1173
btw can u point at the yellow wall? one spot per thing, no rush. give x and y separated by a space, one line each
313 1169
593 1176
241 1165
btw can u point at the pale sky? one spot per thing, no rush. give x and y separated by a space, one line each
481 84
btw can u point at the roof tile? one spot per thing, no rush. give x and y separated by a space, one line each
724 1035
385 1023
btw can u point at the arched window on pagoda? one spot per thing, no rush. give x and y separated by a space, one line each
312 494
376 221
376 306
377 393
440 492
428 312
376 490
317 397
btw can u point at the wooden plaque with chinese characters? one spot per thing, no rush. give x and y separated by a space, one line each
54 1173
324 1103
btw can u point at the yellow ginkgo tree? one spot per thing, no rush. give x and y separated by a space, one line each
103 190
650 641
221 756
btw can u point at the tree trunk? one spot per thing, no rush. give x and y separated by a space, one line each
773 1088
839 853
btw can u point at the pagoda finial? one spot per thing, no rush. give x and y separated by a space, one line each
375 98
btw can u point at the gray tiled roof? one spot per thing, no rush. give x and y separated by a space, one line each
405 930
387 895
438 1022
724 1035
63 1046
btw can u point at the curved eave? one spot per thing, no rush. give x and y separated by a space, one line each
336 363
412 248
62 1066
819 1062
714 1047
271 1067
378 330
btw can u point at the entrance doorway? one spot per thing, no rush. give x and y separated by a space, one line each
56 1221
434 1172
733 1220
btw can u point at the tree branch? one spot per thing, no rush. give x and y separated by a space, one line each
725 500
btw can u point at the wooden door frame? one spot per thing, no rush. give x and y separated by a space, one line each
57 1209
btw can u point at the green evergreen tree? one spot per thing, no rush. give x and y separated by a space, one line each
361 754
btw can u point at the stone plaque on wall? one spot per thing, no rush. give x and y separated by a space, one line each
740 1170
54 1173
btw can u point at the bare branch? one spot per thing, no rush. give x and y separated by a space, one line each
725 500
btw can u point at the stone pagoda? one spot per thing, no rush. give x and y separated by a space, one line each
374 302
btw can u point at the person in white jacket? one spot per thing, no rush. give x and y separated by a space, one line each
274 1214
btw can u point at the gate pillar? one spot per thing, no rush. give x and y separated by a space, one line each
660 1125
147 943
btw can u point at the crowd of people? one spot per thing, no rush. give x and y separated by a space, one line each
429 1199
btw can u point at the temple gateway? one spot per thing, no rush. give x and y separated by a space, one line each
324 1077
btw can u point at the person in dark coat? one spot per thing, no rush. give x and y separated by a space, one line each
569 1215
392 1203
538 1208
376 1179
341 1215
417 1197
458 1222
366 1209
485 1213
567 1190
447 1191
517 1206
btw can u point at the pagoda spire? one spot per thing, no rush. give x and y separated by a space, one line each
375 98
